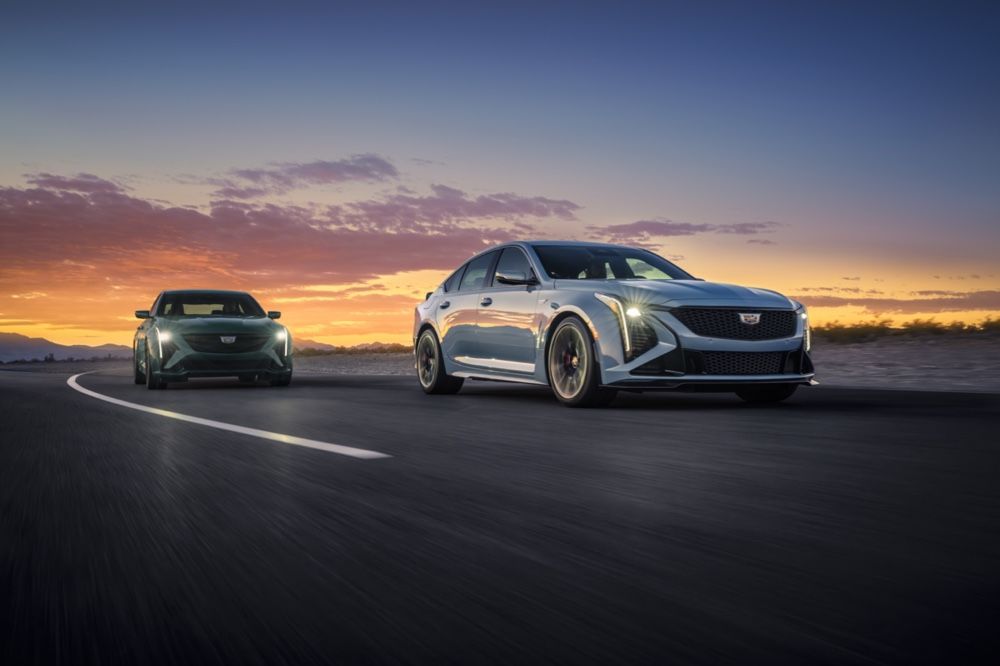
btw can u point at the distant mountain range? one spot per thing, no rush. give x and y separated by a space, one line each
17 347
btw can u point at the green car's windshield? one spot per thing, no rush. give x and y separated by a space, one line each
595 262
208 304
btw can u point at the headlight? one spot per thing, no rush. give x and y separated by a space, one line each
806 332
619 309
161 337
282 336
638 337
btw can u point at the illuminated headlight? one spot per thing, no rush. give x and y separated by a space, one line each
806 331
161 337
637 336
282 336
619 309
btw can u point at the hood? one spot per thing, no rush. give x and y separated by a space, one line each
216 324
682 292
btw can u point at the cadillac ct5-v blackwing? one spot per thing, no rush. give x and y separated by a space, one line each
589 319
210 334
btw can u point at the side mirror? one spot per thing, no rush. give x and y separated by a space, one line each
515 278
274 314
142 314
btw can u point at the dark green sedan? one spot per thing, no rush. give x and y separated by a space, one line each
201 333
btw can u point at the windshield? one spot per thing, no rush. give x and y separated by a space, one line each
208 304
585 262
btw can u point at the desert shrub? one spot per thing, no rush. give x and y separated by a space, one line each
989 325
838 333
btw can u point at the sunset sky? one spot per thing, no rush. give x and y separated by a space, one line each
338 162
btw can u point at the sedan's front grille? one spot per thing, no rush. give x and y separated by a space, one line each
742 363
215 344
727 323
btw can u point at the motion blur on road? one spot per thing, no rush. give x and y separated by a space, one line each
848 526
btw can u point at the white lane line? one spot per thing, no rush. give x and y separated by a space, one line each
253 432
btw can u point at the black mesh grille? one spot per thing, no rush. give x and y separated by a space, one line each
742 363
213 343
725 323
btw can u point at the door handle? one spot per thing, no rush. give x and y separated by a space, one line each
445 305
486 301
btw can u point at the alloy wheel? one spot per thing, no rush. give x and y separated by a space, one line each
568 362
427 360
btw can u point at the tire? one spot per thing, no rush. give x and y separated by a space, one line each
153 381
247 379
430 369
573 372
767 394
282 381
140 378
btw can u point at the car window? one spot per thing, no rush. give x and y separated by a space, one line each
451 284
475 272
605 262
208 304
512 260
644 269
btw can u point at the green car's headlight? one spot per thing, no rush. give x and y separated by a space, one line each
282 336
161 337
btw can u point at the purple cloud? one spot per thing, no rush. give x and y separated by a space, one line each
81 182
447 206
642 231
117 233
286 176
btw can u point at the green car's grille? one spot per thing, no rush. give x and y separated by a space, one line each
226 344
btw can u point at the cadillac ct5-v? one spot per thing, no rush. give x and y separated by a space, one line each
589 320
210 334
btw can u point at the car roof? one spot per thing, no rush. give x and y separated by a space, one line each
570 242
203 291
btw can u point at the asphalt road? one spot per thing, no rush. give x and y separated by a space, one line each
845 526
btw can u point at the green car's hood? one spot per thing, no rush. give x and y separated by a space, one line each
217 324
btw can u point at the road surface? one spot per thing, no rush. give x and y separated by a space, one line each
495 526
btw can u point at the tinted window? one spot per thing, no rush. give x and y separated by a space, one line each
584 262
512 260
475 272
451 284
208 304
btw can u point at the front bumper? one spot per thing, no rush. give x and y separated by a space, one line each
683 361
266 364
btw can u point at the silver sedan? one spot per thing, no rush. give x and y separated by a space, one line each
590 319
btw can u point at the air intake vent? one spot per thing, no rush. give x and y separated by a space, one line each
742 363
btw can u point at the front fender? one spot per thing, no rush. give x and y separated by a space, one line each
599 319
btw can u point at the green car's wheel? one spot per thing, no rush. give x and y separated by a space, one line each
282 381
153 381
140 378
